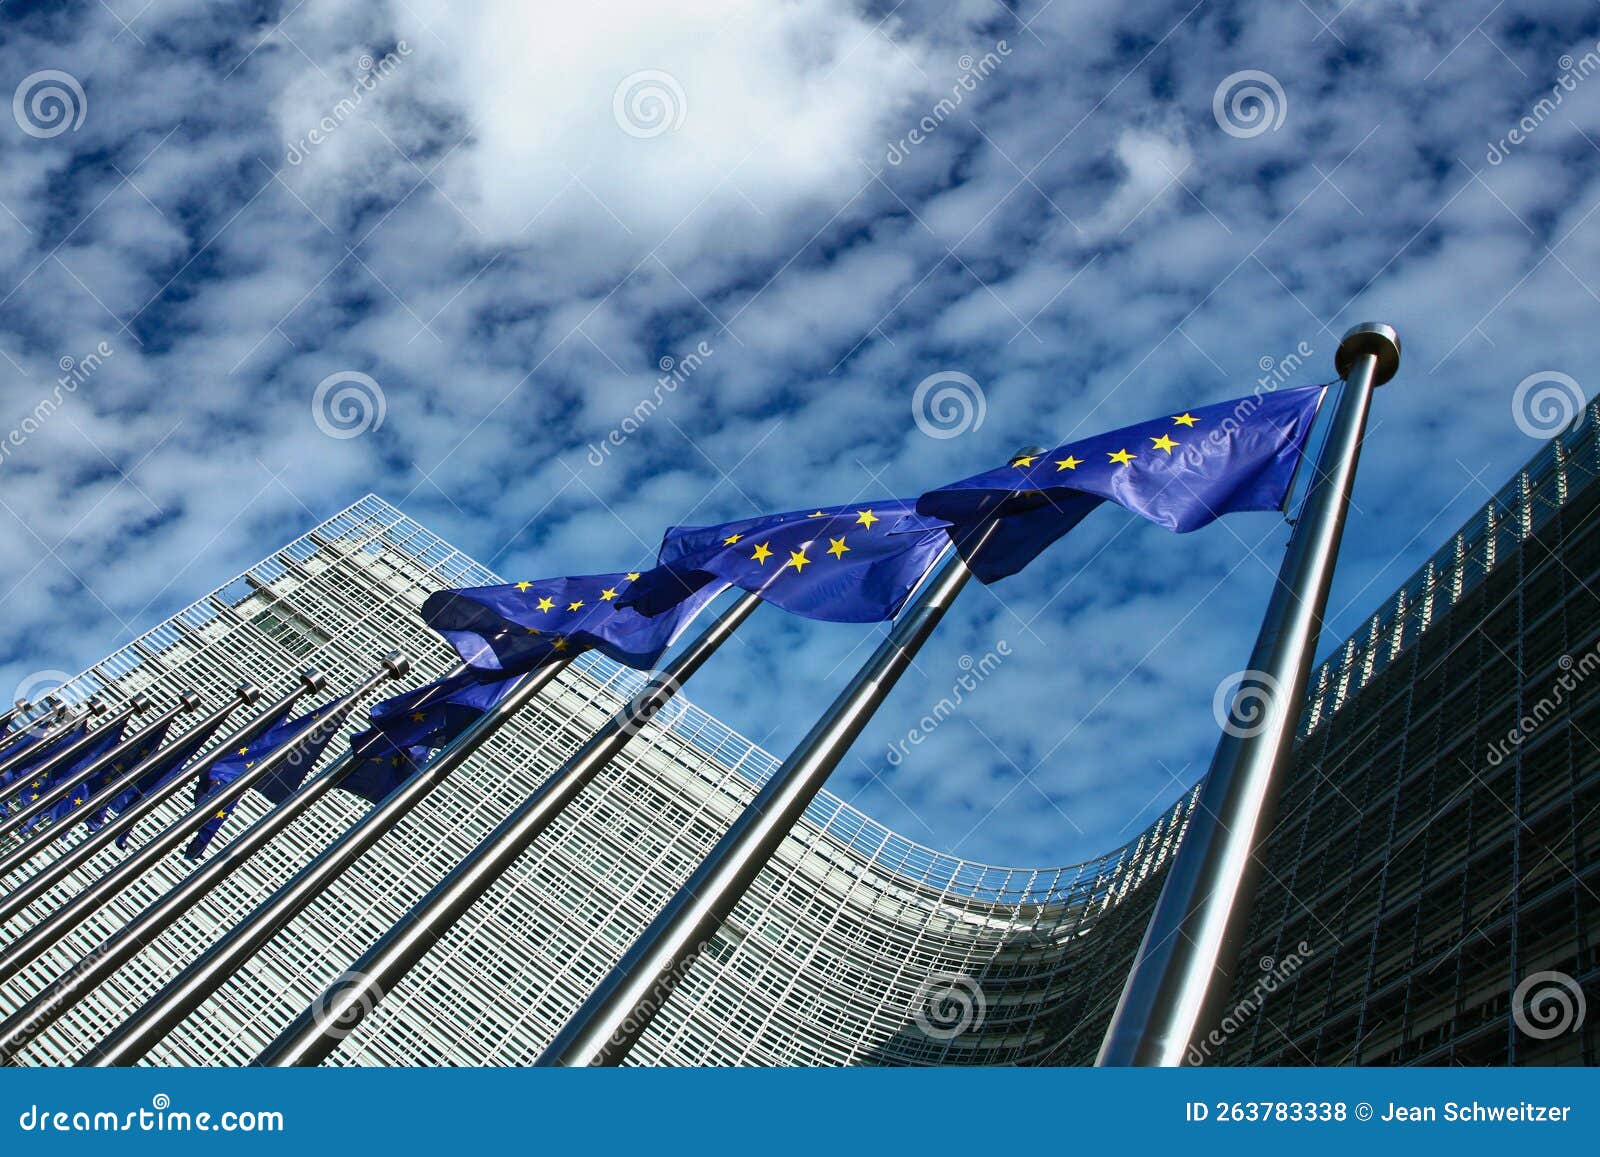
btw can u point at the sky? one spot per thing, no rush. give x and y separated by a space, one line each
259 260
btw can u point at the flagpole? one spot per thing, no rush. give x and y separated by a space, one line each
334 1015
137 705
56 712
247 693
67 723
607 1025
211 969
56 792
38 938
1182 975
20 707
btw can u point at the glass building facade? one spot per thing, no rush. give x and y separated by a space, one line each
1436 846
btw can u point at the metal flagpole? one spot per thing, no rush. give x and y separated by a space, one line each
51 794
21 706
247 693
334 1015
38 938
57 713
1182 974
608 1024
207 972
137 705
90 971
51 874
67 723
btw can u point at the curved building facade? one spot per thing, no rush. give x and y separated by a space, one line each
1422 864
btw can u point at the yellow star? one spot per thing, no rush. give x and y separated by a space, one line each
1163 443
244 751
1122 456
220 816
632 575
1024 461
575 606
762 553
838 548
1185 420
608 594
560 644
798 560
866 518
731 539
535 631
34 796
76 800
523 586
546 604
816 514
250 763
1068 463
417 717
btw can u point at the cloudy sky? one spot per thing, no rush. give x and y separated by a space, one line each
509 217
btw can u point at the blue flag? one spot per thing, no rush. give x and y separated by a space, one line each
842 564
69 808
276 787
408 727
1181 471
104 739
512 628
40 752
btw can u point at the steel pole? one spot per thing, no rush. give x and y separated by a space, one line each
88 972
57 714
608 1024
247 693
1182 975
49 875
38 938
93 707
212 968
52 794
335 1014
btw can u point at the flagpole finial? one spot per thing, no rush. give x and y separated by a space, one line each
1370 337
397 664
313 679
189 701
248 692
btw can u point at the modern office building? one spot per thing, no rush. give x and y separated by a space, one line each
1437 845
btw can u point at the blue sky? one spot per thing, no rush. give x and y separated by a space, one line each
507 222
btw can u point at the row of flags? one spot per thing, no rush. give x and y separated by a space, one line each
856 563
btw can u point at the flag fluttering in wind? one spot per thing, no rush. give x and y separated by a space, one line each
842 564
512 628
1180 471
105 739
39 752
173 758
407 727
276 787
70 806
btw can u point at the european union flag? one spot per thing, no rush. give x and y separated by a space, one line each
514 627
105 738
276 787
69 807
1181 471
408 727
842 564
40 752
